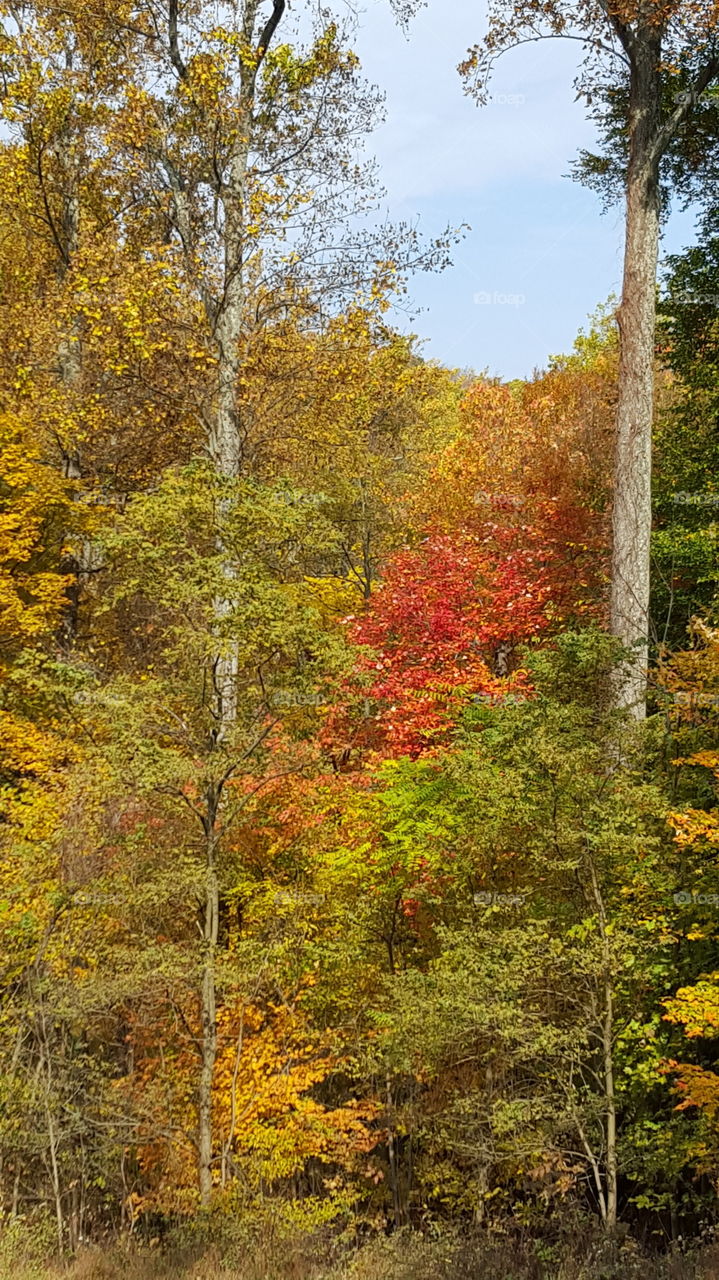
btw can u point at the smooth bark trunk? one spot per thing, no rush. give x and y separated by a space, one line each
225 438
225 450
632 510
392 1154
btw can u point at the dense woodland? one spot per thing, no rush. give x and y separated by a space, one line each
342 903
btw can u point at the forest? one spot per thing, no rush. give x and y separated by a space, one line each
359 747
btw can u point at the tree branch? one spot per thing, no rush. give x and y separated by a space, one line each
587 40
624 33
271 26
175 55
708 73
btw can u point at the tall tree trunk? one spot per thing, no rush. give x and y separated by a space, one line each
208 1011
392 1154
225 443
45 1081
637 317
225 438
225 311
225 450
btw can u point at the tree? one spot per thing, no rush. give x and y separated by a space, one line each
663 59
245 150
352 414
61 72
513 892
505 549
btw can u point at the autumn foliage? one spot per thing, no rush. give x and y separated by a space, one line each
333 886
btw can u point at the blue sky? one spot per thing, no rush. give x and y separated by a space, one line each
540 255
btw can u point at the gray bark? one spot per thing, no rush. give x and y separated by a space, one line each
637 318
225 435
649 139
225 442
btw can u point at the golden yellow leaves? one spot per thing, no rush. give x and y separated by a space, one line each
208 79
266 1120
285 68
696 1008
265 1073
335 597
32 592
26 750
695 825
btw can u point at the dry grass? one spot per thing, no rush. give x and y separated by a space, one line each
406 1257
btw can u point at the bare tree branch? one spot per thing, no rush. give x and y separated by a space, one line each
175 55
271 26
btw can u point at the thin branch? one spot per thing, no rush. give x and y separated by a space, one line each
588 42
175 55
60 246
271 26
624 33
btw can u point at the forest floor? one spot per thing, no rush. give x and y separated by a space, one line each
402 1257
